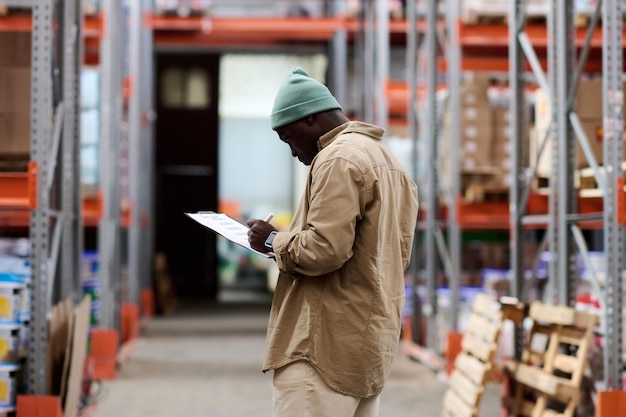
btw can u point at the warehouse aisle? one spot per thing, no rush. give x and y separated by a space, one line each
205 362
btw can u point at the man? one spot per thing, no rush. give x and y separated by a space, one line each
336 314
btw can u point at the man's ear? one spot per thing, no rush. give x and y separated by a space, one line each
310 119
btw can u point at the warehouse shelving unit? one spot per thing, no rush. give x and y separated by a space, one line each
564 215
45 201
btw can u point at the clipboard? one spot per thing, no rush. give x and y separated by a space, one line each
227 227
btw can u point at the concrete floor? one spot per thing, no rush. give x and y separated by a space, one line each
205 361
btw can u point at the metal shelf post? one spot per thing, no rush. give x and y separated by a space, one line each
518 178
109 233
430 130
41 133
614 224
381 65
72 202
561 49
140 153
453 53
54 230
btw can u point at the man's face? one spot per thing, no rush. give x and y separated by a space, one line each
302 137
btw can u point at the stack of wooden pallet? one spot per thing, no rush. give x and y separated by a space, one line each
546 380
548 377
474 367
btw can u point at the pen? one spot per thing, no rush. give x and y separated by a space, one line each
269 217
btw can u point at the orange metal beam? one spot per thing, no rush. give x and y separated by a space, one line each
485 46
207 31
16 23
19 189
305 29
494 35
92 210
485 215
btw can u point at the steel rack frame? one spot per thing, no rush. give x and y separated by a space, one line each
55 226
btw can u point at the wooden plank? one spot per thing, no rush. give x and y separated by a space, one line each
551 413
536 358
487 307
456 406
539 380
478 348
572 336
567 363
465 388
472 367
513 310
483 328
545 329
526 408
536 378
585 320
556 314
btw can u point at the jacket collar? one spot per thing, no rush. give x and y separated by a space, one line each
370 130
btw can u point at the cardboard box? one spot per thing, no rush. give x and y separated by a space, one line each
501 116
588 99
15 89
594 131
14 133
475 148
16 49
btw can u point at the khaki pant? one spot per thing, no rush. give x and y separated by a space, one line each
300 392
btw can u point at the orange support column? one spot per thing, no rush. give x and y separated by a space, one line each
147 303
103 353
453 348
611 404
39 406
129 321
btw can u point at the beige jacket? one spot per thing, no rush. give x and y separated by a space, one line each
339 297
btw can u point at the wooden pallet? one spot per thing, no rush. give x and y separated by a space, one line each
548 378
475 366
585 181
480 193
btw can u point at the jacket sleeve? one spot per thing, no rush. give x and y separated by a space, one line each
337 200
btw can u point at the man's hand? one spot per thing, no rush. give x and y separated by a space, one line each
258 233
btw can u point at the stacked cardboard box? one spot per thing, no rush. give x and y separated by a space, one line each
501 156
486 146
15 81
476 124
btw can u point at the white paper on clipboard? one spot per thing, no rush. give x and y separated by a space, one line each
228 227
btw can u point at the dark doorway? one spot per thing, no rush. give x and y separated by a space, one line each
186 168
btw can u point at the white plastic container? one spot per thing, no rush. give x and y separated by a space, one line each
9 341
8 385
10 298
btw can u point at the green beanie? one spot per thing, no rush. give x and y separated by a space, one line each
300 96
